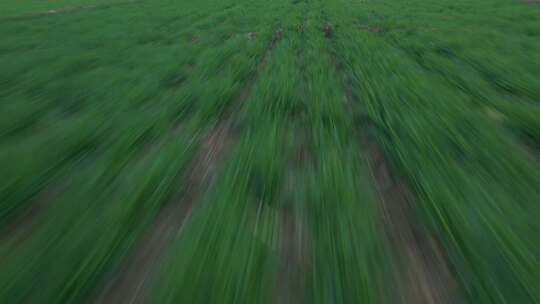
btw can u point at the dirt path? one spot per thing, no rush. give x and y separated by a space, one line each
291 255
293 239
131 284
22 227
424 276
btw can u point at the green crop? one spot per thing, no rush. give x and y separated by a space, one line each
311 151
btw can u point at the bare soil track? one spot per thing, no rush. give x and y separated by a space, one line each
132 282
293 261
425 278
23 225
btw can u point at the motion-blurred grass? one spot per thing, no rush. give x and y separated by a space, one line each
103 112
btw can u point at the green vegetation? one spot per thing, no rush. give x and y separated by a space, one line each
31 8
109 108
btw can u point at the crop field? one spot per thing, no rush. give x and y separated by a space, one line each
285 151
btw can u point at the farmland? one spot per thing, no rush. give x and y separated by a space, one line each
286 151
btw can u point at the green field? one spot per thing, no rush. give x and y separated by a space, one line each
287 151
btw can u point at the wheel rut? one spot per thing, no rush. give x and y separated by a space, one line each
133 280
423 273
